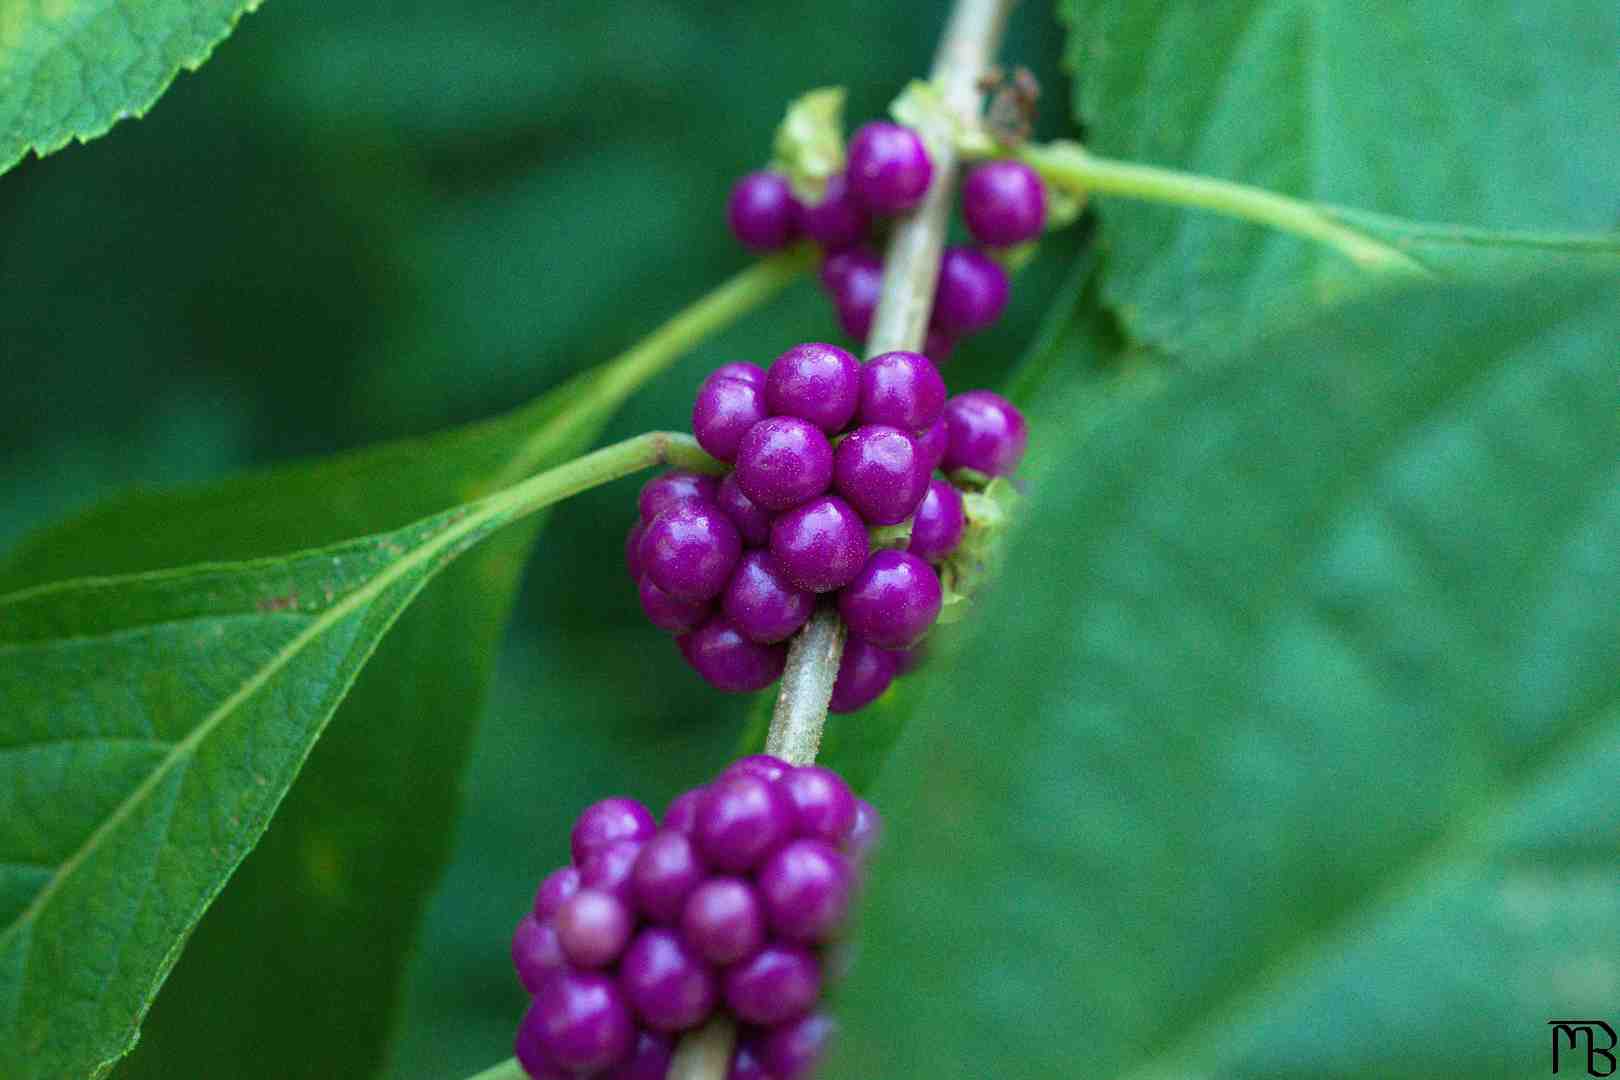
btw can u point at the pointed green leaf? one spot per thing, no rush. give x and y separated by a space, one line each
1286 745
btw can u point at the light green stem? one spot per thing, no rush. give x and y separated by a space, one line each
583 473
506 1070
1070 166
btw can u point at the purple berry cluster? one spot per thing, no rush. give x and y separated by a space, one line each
824 450
730 905
888 172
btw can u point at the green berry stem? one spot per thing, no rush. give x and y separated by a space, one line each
506 1070
705 1054
910 272
1071 167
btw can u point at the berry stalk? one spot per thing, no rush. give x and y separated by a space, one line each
910 274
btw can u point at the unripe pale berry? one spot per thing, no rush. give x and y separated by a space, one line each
762 603
939 522
815 382
763 212
889 167
987 433
820 545
782 462
972 291
893 600
901 389
729 661
878 470
1003 203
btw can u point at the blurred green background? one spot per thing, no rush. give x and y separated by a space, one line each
369 220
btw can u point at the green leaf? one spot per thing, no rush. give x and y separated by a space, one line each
1287 744
70 69
1495 113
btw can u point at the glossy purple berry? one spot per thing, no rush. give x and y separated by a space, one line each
839 220
821 545
722 414
860 284
536 952
865 835
889 167
632 550
607 822
762 603
879 472
741 820
792 1050
671 613
723 920
530 1051
690 549
558 886
681 815
1003 203
727 660
806 888
667 489
783 461
593 928
835 268
765 766
649 1060
607 869
666 870
938 525
815 382
932 442
752 520
972 291
864 672
893 600
763 212
778 983
823 805
748 373
901 389
584 1023
987 433
666 982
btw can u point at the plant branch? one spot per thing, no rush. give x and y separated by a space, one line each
1070 166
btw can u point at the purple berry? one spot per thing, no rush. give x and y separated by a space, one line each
762 603
752 374
724 920
746 1065
752 520
722 414
536 953
558 886
765 766
972 291
741 820
893 600
667 489
823 805
1003 203
806 887
728 661
864 672
593 927
690 550
632 550
932 442
838 221
835 269
815 382
889 167
667 984
879 471
607 869
783 461
901 389
987 433
938 346
606 822
866 833
681 816
667 869
763 213
860 284
531 1052
671 613
779 982
648 1061
584 1023
938 525
821 545
791 1051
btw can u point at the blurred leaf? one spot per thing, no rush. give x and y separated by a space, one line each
1493 113
1287 745
70 70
